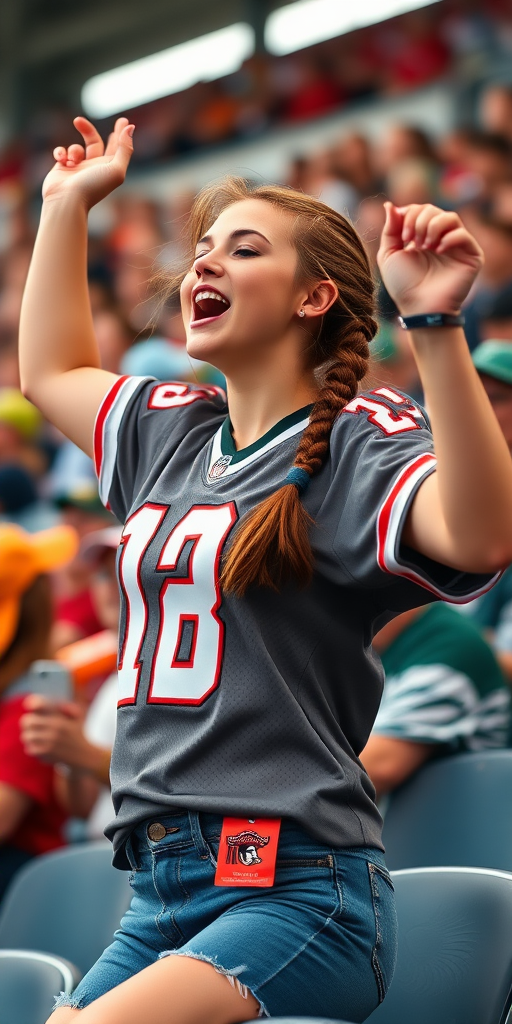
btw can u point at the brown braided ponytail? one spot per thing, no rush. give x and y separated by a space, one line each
271 545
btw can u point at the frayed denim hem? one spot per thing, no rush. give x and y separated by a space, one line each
232 975
66 1000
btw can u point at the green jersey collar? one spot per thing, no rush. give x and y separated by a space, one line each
227 443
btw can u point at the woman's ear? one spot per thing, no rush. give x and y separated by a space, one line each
320 298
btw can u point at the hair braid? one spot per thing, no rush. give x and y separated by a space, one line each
272 544
339 387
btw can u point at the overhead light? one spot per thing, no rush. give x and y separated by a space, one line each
198 60
312 21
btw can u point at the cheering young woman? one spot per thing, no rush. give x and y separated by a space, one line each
265 541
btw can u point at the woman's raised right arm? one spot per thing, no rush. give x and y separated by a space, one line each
59 361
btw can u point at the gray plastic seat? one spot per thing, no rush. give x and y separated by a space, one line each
68 903
28 983
454 948
455 811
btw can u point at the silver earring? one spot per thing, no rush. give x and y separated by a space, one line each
301 312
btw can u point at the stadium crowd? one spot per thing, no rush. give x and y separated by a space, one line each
448 674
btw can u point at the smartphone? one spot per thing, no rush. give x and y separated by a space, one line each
49 678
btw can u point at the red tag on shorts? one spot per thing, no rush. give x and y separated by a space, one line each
248 851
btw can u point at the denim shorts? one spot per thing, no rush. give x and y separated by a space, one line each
321 942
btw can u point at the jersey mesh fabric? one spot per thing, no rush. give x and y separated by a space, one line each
267 719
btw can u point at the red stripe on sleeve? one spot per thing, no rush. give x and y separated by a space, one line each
103 412
387 508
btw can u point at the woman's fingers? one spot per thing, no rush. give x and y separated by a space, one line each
60 155
91 136
123 153
114 137
76 154
428 227
429 231
409 214
391 238
460 238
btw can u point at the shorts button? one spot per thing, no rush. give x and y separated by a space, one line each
156 831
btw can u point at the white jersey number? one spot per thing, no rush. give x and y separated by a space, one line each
382 416
187 658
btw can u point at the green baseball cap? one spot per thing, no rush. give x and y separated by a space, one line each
494 358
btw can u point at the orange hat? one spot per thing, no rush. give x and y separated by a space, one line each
24 557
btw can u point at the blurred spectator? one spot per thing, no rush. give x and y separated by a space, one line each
158 358
61 732
81 508
20 502
20 425
31 818
495 239
496 109
496 315
315 92
412 51
458 183
403 142
413 180
114 335
444 694
352 162
489 161
322 179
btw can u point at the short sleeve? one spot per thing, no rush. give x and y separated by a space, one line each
383 451
140 422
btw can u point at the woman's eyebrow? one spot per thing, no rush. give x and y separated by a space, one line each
237 234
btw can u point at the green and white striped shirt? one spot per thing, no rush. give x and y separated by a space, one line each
444 685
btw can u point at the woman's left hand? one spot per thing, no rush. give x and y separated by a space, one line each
427 258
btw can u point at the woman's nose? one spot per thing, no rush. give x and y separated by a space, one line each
207 265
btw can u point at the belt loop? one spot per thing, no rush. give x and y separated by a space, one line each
197 836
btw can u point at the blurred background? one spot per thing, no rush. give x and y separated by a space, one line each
353 103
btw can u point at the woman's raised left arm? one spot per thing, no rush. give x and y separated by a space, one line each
462 514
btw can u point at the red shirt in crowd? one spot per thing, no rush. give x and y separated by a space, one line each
41 829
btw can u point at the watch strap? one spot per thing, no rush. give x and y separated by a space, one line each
412 323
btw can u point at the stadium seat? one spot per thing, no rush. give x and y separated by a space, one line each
28 983
455 811
68 903
454 948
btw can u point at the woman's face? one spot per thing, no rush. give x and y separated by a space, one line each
242 295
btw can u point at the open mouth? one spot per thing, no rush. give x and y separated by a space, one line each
208 305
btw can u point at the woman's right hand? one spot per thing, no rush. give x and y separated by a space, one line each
92 171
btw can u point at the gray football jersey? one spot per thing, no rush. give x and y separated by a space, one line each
257 706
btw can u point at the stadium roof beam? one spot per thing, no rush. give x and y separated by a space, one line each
116 20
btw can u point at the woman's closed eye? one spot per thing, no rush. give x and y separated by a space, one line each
244 251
